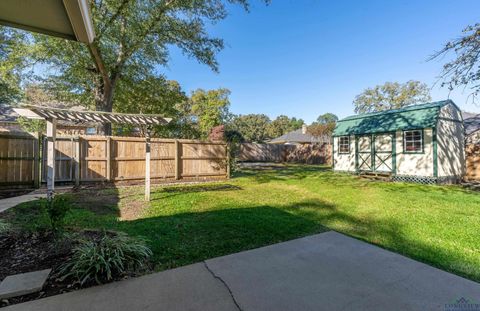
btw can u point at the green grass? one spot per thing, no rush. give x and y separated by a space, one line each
439 225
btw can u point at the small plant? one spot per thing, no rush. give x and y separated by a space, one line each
103 259
4 226
57 208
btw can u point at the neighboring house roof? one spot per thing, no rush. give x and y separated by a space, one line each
7 114
299 137
471 122
411 117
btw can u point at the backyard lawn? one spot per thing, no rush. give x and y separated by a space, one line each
439 225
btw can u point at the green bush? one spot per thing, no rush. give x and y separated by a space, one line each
57 209
4 226
106 258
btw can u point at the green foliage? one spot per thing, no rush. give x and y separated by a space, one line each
210 109
133 38
32 125
234 139
391 95
327 118
57 209
464 68
156 95
321 129
13 64
106 258
283 124
4 226
252 127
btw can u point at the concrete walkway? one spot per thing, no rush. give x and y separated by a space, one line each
11 202
328 271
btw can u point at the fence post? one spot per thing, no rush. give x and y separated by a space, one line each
51 155
147 165
177 159
109 159
227 149
77 162
36 161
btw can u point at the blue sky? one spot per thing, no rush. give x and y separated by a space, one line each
303 58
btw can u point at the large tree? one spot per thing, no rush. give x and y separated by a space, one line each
210 109
132 38
464 68
156 95
13 62
391 95
283 124
252 127
327 118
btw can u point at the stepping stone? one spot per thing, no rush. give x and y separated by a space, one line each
24 283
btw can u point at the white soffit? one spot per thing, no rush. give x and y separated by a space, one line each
69 19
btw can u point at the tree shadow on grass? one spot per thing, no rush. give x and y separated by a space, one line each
186 238
177 190
292 172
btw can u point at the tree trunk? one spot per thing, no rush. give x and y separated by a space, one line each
104 102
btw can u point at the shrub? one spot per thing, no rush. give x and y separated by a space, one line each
4 226
57 209
106 258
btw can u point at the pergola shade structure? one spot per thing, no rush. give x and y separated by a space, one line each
69 19
37 112
52 115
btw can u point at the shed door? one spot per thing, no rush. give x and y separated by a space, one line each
383 160
364 151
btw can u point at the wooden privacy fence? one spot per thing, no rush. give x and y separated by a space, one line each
472 154
252 152
102 158
105 158
19 159
310 154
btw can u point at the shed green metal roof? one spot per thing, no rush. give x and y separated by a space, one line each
411 117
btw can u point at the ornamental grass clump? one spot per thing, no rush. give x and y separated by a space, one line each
106 258
4 226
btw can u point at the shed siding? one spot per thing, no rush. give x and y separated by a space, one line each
420 164
451 143
342 161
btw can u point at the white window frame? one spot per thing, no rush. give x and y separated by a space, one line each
340 144
413 141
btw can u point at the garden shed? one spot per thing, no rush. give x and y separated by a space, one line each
420 143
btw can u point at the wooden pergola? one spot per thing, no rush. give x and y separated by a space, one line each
52 115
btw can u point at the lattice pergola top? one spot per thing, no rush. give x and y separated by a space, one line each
47 113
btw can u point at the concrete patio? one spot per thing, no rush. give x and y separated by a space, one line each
327 271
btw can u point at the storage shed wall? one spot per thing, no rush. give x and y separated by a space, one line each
415 164
450 143
344 161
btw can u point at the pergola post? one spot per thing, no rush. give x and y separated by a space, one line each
51 135
147 164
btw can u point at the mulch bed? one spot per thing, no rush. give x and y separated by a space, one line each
27 252
10 193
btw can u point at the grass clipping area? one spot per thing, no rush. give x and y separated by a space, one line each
184 224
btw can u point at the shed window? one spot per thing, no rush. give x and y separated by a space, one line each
344 144
413 141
